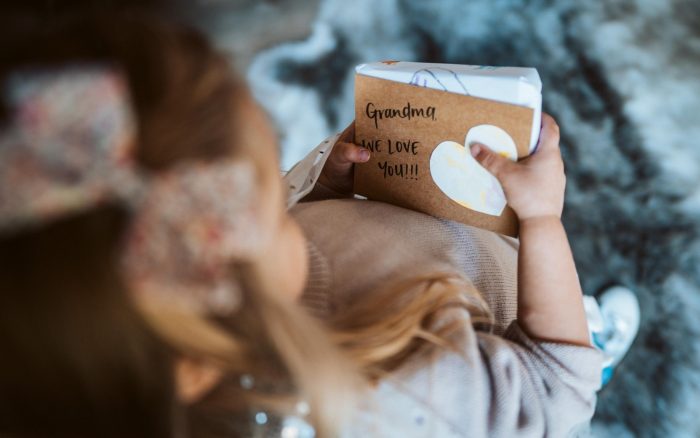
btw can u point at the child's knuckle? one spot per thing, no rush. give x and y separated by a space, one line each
489 161
553 131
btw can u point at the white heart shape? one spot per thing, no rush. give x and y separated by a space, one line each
463 179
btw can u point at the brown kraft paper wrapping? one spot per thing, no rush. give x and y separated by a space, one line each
398 171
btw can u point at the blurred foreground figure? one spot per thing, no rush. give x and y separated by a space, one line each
140 214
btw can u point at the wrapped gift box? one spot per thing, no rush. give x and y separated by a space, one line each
417 118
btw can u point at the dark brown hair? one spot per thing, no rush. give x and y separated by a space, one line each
77 359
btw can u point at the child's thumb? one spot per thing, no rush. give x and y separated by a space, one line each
496 164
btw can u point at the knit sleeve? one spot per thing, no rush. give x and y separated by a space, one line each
301 180
489 386
537 388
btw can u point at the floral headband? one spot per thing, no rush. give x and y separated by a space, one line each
68 147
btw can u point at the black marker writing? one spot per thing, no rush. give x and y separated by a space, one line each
372 145
406 112
407 171
398 146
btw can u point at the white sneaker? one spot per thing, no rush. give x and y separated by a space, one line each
619 308
613 323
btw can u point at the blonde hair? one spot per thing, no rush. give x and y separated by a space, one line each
286 351
404 320
401 322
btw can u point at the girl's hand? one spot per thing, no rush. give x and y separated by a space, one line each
338 172
534 186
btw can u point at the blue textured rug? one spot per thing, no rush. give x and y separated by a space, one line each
621 77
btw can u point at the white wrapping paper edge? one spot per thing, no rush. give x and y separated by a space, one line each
514 85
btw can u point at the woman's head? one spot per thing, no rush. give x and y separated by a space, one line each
85 359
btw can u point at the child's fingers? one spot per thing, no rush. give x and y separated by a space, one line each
549 134
350 153
496 164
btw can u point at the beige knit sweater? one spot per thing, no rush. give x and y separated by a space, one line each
504 384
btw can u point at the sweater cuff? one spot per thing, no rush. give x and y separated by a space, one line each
580 365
